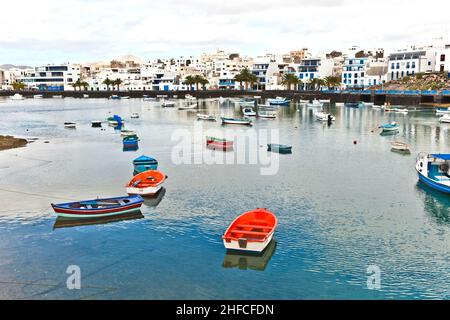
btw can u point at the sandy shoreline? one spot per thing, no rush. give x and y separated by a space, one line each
10 142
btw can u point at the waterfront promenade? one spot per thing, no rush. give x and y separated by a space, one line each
378 97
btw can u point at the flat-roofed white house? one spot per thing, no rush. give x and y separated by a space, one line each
408 62
443 59
314 68
53 77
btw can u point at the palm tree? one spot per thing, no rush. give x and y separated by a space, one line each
77 84
204 82
252 79
107 82
189 80
17 86
117 83
290 79
332 82
245 76
84 85
316 83
239 78
198 79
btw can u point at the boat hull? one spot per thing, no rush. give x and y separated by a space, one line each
237 121
144 192
66 211
433 184
234 245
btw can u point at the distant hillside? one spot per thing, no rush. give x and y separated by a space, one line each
420 81
11 66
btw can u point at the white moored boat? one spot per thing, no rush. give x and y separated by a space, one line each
445 118
38 96
323 116
247 103
127 133
190 97
188 107
205 117
251 232
304 101
134 115
268 114
168 104
17 96
248 112
325 100
315 104
400 147
443 110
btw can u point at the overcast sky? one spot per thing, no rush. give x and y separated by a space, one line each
55 31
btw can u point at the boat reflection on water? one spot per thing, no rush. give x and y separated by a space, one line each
246 261
388 133
436 204
68 223
154 201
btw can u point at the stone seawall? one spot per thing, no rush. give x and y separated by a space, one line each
293 95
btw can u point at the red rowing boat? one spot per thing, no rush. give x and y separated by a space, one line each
217 143
252 231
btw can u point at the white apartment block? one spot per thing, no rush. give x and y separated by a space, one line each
55 77
314 68
408 62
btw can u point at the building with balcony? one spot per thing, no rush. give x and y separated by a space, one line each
411 61
314 68
51 77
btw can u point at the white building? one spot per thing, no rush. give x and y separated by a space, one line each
408 62
55 77
443 59
314 68
269 71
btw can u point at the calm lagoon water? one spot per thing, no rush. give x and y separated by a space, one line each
341 208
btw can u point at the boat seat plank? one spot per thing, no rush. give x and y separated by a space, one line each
259 221
255 233
253 226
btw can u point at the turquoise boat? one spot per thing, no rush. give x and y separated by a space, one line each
390 127
144 163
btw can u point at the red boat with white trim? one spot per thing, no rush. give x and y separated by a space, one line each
220 144
147 183
251 232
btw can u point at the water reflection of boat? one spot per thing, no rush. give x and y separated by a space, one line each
154 201
247 261
61 222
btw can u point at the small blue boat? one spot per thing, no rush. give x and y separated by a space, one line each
434 171
394 126
130 143
144 163
354 105
279 101
280 148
